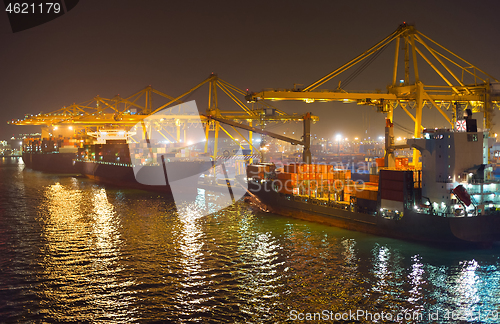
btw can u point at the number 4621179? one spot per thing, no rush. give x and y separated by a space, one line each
27 8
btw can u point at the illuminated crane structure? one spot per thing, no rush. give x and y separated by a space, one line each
466 86
121 113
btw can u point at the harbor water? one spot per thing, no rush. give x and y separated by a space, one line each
72 250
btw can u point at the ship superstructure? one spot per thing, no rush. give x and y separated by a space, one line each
457 179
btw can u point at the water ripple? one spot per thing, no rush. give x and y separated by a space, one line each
73 250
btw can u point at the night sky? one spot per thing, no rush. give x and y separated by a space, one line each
119 47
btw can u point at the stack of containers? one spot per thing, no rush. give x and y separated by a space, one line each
258 171
314 180
306 185
341 184
367 198
183 153
287 183
401 163
143 153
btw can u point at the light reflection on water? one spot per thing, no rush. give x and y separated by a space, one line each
73 250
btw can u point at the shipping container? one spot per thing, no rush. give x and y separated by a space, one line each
369 194
292 168
374 178
394 175
395 195
366 204
288 176
392 184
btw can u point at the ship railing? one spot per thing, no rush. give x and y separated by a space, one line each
444 181
476 181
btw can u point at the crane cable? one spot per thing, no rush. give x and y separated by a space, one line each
404 129
362 67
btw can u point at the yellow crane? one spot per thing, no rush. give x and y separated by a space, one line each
123 113
470 87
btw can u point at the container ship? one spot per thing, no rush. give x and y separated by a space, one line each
145 165
454 198
53 155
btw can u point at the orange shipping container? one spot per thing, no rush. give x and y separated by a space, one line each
320 168
292 168
363 194
285 190
288 176
374 178
318 176
367 194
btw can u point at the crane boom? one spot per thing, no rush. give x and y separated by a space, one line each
306 142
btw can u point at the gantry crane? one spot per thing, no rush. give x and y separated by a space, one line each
124 113
473 88
305 141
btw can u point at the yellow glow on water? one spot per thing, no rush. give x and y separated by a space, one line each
103 227
349 253
81 251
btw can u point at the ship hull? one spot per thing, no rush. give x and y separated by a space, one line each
123 176
412 226
50 162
